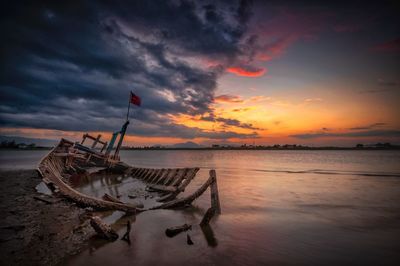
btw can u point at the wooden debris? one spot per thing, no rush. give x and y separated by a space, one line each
110 198
162 188
182 202
57 166
102 229
208 216
126 236
173 231
43 200
189 240
214 193
51 169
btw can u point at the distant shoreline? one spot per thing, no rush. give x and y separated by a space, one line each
233 149
269 149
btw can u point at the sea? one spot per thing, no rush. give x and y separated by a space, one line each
279 207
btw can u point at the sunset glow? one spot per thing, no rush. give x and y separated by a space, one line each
269 75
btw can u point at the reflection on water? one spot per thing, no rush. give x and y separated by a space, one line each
278 208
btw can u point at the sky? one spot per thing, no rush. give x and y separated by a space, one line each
211 72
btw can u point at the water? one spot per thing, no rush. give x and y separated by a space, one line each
278 208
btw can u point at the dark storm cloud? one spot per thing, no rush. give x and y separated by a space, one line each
70 66
228 122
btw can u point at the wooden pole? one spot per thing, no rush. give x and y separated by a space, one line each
129 105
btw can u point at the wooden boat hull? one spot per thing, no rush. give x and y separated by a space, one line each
68 158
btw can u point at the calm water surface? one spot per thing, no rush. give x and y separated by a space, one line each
278 208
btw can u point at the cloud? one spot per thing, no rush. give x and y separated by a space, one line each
228 122
347 28
247 71
236 110
259 98
368 133
70 67
387 83
392 46
371 126
228 98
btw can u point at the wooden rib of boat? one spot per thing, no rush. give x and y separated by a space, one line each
69 158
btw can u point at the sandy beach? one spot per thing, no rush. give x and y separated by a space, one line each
36 229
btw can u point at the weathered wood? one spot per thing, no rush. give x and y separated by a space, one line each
208 216
51 169
214 193
139 174
134 172
160 175
108 197
126 236
156 175
173 231
170 182
144 173
189 240
102 229
170 177
162 178
162 188
178 203
149 173
189 177
96 141
180 176
43 200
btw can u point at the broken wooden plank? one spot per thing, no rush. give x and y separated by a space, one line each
140 172
51 169
143 173
173 231
149 173
43 200
155 176
170 177
182 202
102 229
108 197
162 188
163 177
160 175
180 176
208 216
214 193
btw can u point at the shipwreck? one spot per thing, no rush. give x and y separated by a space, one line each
72 158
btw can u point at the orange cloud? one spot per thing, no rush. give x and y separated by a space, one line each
226 98
247 71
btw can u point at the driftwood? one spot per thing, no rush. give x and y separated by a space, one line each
173 231
102 229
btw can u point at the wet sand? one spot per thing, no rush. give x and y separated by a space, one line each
36 232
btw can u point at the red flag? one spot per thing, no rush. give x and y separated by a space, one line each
135 99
